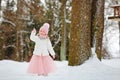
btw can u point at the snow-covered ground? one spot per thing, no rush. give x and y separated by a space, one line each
92 69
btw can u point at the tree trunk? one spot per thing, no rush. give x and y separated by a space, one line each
63 26
0 4
119 37
79 48
98 24
0 13
93 22
1 40
21 24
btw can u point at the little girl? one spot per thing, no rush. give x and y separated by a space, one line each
41 63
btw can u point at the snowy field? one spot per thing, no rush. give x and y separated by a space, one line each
92 69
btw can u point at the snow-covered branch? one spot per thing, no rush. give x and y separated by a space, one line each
9 46
58 40
7 21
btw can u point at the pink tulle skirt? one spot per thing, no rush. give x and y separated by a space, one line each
41 65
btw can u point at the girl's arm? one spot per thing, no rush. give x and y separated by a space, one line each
50 48
33 36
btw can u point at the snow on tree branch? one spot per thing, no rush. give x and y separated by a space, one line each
7 21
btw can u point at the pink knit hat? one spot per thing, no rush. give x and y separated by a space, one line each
43 31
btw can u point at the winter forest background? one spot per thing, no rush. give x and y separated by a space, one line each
75 27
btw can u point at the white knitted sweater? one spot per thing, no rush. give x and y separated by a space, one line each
42 46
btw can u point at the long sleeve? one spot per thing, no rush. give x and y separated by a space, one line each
33 36
50 48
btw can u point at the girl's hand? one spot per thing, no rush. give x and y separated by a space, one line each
34 30
53 56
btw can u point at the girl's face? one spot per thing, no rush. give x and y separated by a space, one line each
42 33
